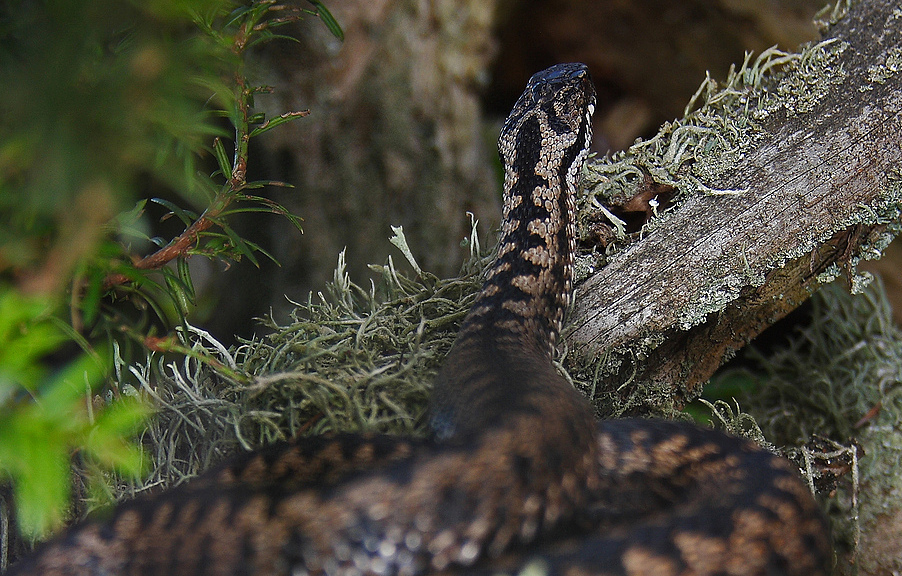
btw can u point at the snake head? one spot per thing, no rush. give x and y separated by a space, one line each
564 94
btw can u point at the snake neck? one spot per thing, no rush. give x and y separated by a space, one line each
529 286
500 364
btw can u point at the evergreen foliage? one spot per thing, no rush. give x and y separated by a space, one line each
115 113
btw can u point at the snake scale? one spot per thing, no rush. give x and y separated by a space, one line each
518 477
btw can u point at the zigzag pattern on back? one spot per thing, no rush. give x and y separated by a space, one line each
543 144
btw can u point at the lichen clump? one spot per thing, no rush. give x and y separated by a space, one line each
350 359
722 122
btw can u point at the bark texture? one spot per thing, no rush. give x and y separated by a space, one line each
395 137
813 184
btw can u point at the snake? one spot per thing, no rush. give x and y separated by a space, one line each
517 476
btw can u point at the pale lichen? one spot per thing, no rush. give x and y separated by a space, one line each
892 65
351 359
722 123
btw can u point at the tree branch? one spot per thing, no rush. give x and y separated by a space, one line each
810 178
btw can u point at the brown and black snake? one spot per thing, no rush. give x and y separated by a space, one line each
518 477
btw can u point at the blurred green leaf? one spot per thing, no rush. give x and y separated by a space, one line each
105 103
91 299
328 19
225 165
186 216
23 340
41 480
106 439
46 412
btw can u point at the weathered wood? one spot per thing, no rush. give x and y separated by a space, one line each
818 186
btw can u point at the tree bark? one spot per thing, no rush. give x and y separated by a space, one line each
394 137
816 184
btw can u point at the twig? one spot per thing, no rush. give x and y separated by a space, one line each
180 245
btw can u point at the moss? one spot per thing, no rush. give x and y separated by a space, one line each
351 359
722 123
892 65
833 371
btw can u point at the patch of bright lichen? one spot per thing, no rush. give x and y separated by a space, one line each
722 122
351 359
892 65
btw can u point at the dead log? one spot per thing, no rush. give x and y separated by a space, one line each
786 177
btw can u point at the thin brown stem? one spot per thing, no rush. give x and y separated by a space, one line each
180 245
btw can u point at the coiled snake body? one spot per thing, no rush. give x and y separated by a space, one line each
519 476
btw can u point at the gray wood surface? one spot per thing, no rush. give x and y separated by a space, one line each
818 186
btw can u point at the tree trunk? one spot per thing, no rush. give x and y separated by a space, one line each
394 137
787 179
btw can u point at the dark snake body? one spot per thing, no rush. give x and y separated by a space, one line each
519 477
